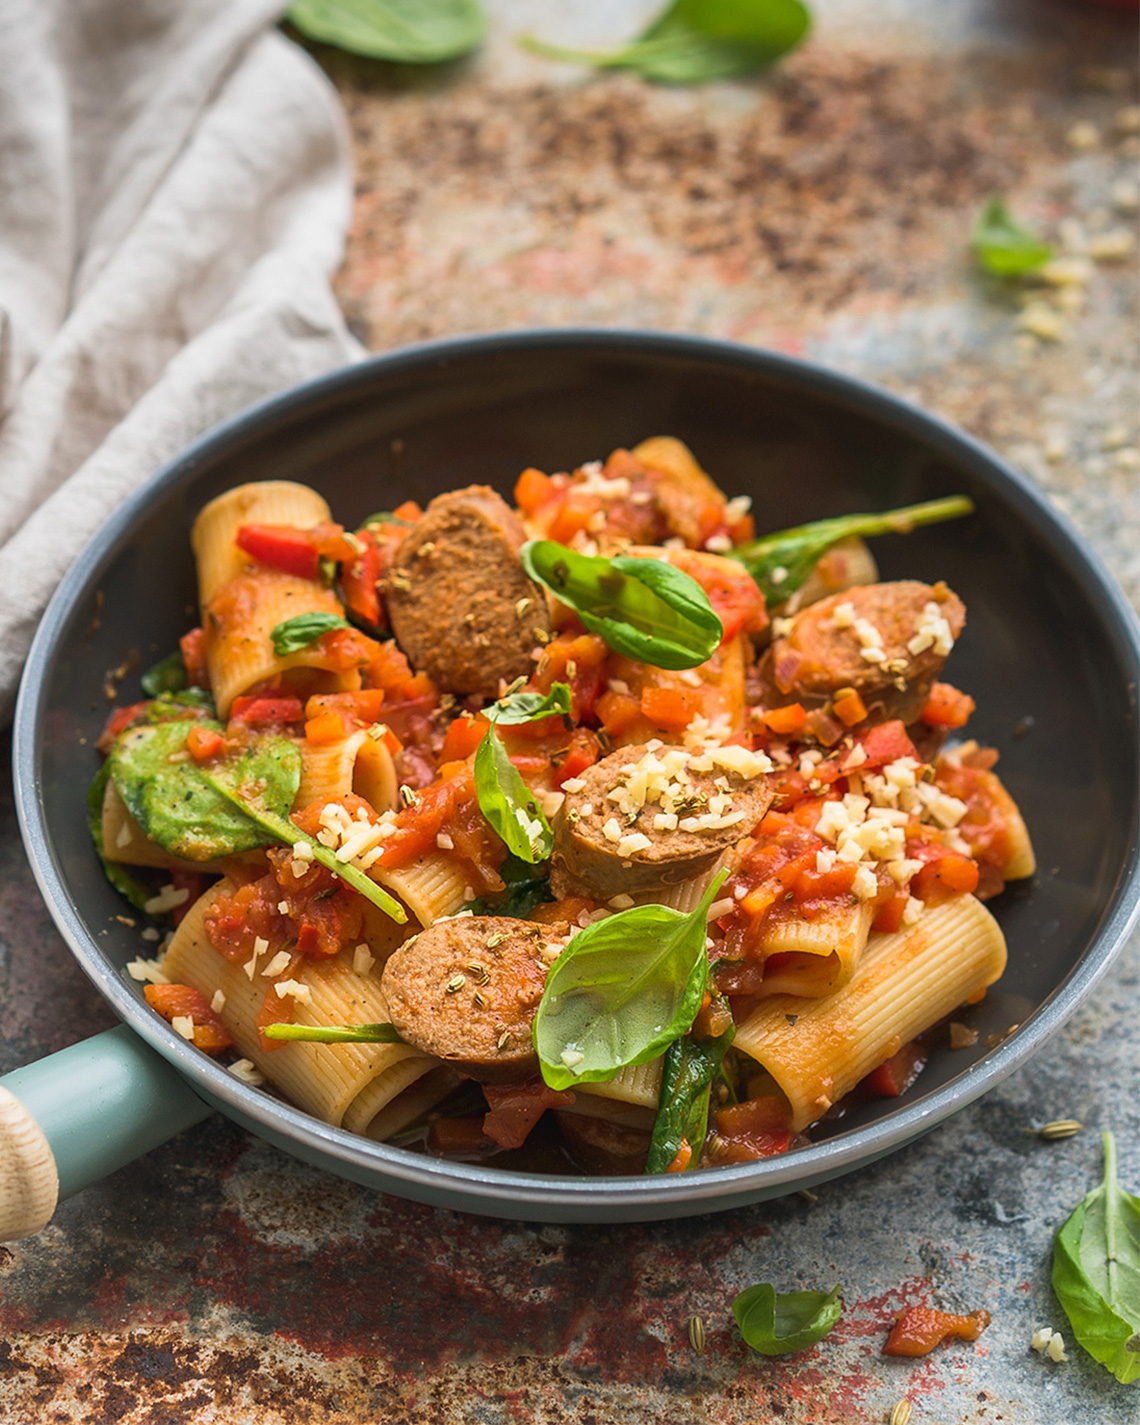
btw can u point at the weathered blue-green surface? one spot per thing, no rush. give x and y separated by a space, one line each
824 211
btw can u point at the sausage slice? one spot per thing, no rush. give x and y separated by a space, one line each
466 990
887 641
652 816
461 607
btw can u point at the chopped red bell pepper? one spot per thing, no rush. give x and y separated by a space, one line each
281 546
184 1002
897 1074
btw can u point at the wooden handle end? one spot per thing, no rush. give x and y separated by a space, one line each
29 1182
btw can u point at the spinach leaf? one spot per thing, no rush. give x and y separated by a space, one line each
167 676
776 1324
175 704
693 41
297 633
342 1034
1096 1272
691 1067
780 563
508 803
173 799
524 887
407 31
623 989
646 609
120 876
526 707
1002 246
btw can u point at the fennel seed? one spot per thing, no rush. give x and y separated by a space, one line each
503 1040
1058 1128
697 1333
901 1414
456 983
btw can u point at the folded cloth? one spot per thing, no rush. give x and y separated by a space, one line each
175 185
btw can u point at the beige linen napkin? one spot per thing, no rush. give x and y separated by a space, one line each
175 185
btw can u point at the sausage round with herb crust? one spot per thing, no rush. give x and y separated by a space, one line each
651 816
466 990
460 604
886 642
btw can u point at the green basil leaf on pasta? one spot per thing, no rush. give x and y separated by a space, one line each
778 1323
780 563
120 876
694 41
1096 1272
335 1034
1003 246
691 1066
299 632
404 31
522 707
167 676
646 609
524 887
508 803
622 990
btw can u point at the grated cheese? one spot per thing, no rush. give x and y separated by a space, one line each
146 971
275 966
294 989
218 1003
362 959
183 1024
247 1072
167 899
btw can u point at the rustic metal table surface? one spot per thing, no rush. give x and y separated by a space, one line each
823 210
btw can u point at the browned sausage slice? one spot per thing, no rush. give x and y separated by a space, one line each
886 641
651 816
466 990
461 607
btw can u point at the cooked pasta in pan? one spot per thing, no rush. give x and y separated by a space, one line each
594 823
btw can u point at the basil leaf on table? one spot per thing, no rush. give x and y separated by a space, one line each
405 31
1002 246
508 803
1096 1273
167 676
646 609
517 708
298 632
236 804
524 887
623 989
780 563
694 41
778 1323
339 1034
691 1066
120 876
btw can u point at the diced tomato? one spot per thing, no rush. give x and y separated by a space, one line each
578 659
618 713
583 752
324 728
533 489
947 707
184 1002
193 646
118 722
280 546
920 1328
459 1138
203 743
574 513
361 708
886 743
944 875
257 711
359 577
670 708
786 721
889 914
683 1159
849 709
343 649
275 1009
514 1109
896 1075
464 735
733 593
755 1128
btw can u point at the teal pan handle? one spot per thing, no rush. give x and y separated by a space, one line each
76 1116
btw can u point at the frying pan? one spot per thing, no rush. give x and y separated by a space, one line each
1051 651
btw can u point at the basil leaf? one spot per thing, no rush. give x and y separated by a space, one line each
175 705
167 676
780 563
297 633
508 804
1096 1273
691 1066
407 31
693 41
776 1324
120 876
342 1034
623 989
526 707
1002 246
174 802
646 609
524 887
383 517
